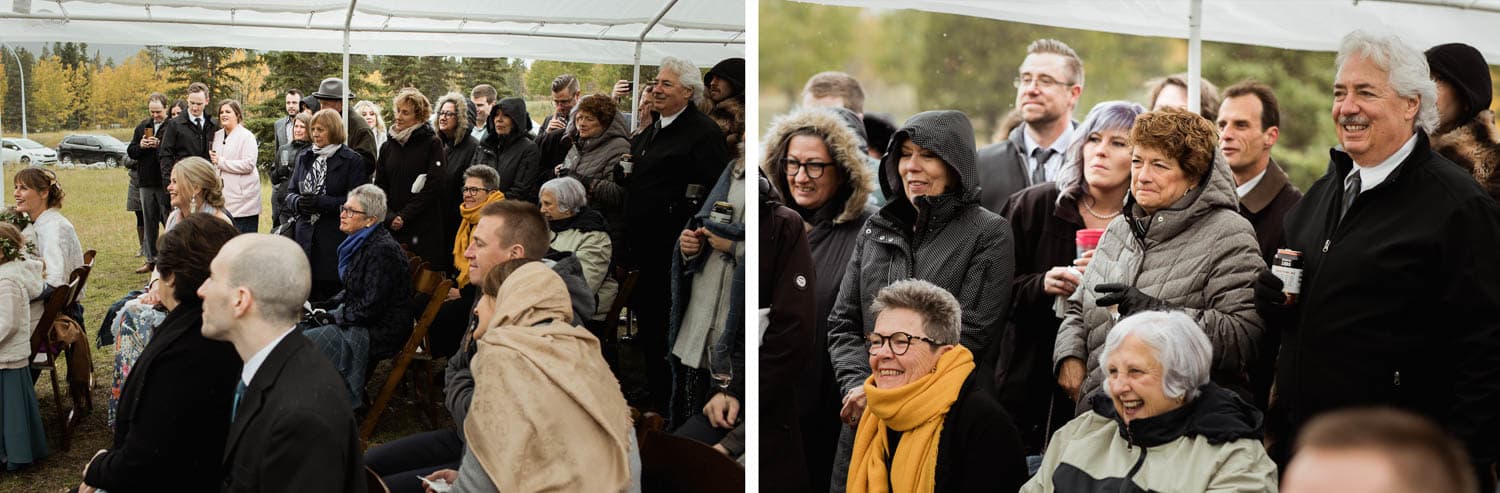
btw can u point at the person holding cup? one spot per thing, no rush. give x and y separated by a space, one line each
1057 224
1179 244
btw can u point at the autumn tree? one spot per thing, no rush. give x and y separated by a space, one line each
51 97
248 77
211 66
119 93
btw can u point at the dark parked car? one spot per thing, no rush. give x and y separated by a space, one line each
91 148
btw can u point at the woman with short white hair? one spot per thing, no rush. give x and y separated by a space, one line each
582 230
1160 424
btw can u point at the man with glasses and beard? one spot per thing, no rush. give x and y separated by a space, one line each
1047 89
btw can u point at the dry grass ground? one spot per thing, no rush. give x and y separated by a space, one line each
95 204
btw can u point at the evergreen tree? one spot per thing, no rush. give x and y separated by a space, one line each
207 65
13 74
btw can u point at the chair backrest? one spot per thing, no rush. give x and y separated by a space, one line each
373 483
83 280
673 463
627 279
56 303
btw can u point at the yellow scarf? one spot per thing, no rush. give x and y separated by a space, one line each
917 410
467 219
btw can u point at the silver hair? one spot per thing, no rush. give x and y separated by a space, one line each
568 192
940 311
687 73
1409 74
372 199
488 175
1181 348
1106 116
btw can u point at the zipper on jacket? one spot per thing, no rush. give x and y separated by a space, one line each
1140 461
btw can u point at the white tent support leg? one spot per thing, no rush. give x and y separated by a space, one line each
348 86
635 90
635 81
1195 56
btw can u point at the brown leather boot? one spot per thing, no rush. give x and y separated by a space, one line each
145 268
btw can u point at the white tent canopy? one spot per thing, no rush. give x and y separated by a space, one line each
590 31
1295 24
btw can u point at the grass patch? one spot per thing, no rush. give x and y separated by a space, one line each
95 204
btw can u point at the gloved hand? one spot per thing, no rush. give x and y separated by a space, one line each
319 318
307 204
1130 299
280 174
1270 302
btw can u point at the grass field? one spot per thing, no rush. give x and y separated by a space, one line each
95 204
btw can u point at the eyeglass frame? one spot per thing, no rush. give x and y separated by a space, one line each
889 340
476 190
345 209
787 164
1040 82
449 114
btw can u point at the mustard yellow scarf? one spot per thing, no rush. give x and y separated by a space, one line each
917 410
468 217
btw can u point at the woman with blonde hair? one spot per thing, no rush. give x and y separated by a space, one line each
370 111
195 187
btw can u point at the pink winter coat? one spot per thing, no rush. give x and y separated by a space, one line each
237 154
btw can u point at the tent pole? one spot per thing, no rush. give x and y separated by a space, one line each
1195 57
635 80
635 89
348 85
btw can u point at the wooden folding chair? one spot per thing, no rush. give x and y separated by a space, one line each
44 353
673 463
434 287
87 268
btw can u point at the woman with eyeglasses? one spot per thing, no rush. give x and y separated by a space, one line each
816 165
932 422
931 228
322 179
371 318
454 127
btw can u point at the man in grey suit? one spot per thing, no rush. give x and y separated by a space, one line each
1048 85
283 128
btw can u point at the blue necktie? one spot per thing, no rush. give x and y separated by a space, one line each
239 391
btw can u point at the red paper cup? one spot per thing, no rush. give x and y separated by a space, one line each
1087 239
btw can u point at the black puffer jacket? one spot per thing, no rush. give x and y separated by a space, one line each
946 239
514 155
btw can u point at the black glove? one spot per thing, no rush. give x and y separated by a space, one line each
307 204
280 174
1130 299
319 318
1270 301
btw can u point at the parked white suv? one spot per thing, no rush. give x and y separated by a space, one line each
26 152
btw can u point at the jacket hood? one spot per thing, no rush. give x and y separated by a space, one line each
1218 415
1214 191
27 272
844 146
946 132
515 108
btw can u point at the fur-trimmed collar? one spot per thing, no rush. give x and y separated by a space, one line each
1475 146
843 146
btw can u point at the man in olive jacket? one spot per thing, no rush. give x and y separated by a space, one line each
1399 305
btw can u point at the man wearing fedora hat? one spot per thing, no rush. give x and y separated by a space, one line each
361 138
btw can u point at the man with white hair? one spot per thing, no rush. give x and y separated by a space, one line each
1398 304
675 163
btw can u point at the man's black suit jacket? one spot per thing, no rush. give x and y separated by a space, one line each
181 139
293 430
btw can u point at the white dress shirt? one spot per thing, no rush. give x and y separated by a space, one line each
1369 176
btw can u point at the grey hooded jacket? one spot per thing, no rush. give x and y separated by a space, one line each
1198 254
947 239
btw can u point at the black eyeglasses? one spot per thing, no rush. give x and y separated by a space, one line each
814 168
344 209
900 342
447 114
469 190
